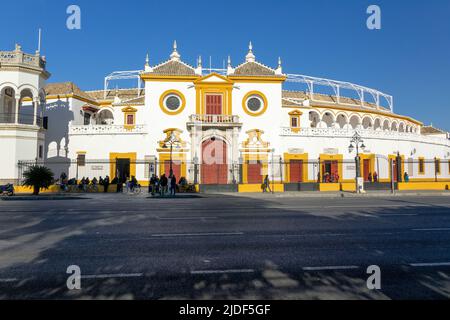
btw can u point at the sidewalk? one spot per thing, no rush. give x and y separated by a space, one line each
340 194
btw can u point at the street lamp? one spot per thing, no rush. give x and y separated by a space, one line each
359 143
171 141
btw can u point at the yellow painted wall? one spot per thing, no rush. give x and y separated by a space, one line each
423 185
329 186
348 186
278 187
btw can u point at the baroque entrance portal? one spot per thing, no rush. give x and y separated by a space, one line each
214 167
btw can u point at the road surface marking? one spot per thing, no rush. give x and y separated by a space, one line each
185 218
222 271
396 214
8 280
430 264
117 275
330 268
432 229
197 234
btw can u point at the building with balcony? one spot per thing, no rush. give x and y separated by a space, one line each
22 101
231 126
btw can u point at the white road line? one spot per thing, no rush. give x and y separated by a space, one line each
186 218
432 229
222 271
397 215
197 234
116 275
330 268
8 280
430 264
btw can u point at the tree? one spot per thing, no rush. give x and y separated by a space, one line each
38 177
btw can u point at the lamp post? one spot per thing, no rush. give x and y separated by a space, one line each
357 142
172 139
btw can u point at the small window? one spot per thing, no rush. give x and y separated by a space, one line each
421 166
130 119
81 160
172 102
437 165
41 152
294 122
87 119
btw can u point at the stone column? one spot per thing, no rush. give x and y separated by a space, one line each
35 110
17 108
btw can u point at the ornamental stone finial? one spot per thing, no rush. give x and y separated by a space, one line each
175 55
250 57
279 69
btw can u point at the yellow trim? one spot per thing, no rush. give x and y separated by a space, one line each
68 96
81 152
331 157
287 168
394 157
263 157
154 77
129 111
421 159
423 185
329 187
371 157
174 92
254 93
176 156
250 79
246 188
115 155
295 114
204 87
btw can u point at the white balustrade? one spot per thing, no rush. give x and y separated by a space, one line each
106 129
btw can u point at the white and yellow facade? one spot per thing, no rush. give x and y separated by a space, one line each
239 123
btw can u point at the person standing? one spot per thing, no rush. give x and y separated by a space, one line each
173 185
266 184
163 182
106 184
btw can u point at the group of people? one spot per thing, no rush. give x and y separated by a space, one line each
163 185
372 177
85 182
330 178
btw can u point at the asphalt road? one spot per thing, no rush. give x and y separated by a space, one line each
225 247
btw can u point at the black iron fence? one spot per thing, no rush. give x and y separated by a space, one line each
332 169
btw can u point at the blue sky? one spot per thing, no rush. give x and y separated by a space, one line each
408 58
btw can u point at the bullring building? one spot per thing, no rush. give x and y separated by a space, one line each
225 128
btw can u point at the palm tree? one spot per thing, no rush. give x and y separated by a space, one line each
38 177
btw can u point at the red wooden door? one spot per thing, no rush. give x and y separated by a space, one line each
296 171
176 168
214 168
395 171
366 169
213 104
254 172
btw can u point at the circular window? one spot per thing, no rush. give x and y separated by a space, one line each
172 102
255 103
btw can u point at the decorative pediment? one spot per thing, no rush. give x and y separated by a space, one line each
213 78
129 110
173 136
295 113
254 140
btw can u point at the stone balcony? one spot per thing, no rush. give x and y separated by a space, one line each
106 130
214 120
20 58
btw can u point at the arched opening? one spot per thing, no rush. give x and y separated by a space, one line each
342 121
214 168
386 125
355 122
105 117
26 107
401 127
7 105
377 124
314 119
394 126
367 123
328 120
